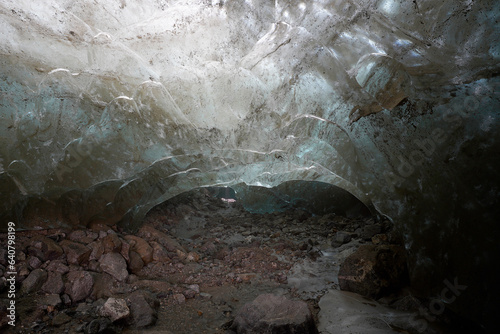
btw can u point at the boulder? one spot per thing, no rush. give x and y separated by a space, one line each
76 253
143 309
54 283
269 314
34 281
79 285
115 309
141 247
374 271
115 265
44 248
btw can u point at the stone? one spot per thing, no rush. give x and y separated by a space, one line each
76 253
58 266
378 239
33 282
115 265
54 283
141 247
179 298
125 250
369 231
60 319
111 243
44 248
97 250
115 309
100 325
149 233
143 309
341 238
52 300
269 314
34 262
189 294
374 271
160 254
78 285
136 263
81 236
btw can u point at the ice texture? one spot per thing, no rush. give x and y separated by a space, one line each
111 107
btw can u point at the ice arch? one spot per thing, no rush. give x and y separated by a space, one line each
109 107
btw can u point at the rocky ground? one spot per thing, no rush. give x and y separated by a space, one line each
194 266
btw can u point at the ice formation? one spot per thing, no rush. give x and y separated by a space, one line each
110 107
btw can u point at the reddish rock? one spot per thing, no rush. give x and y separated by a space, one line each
149 233
97 250
125 250
54 283
111 243
374 271
44 248
58 266
141 247
115 265
79 285
160 254
81 236
135 264
269 314
76 253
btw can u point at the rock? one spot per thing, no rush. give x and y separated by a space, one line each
34 281
115 309
125 250
115 265
149 233
141 247
136 263
79 285
54 283
100 325
194 287
369 231
380 239
52 300
192 257
269 314
189 294
143 309
105 286
34 262
179 298
60 319
44 248
58 266
160 254
341 238
76 253
111 243
374 270
81 236
97 250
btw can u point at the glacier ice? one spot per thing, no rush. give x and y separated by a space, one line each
110 107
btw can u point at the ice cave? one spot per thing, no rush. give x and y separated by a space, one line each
116 114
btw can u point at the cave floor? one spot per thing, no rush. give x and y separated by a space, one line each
222 257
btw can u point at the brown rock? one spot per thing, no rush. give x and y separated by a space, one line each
374 271
115 265
269 314
58 266
111 243
54 283
44 248
79 285
149 233
125 250
81 237
34 281
135 264
76 253
141 247
160 254
97 250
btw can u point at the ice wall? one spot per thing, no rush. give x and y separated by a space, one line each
110 107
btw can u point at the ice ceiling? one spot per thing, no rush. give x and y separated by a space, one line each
110 107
